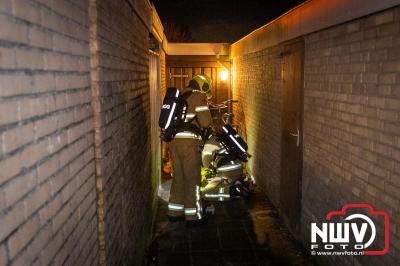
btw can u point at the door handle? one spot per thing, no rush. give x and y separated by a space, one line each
297 136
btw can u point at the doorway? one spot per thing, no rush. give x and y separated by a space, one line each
292 133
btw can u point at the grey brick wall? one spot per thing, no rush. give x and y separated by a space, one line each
257 85
120 82
47 185
75 181
351 122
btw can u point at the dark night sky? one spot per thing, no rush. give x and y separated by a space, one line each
222 20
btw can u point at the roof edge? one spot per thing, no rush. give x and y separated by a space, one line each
308 17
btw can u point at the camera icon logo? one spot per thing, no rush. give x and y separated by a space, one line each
356 232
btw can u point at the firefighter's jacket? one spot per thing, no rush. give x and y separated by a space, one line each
198 112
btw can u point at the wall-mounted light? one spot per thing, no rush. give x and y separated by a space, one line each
224 75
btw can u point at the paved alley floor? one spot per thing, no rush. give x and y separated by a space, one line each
240 233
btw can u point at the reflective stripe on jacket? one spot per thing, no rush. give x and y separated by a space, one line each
187 135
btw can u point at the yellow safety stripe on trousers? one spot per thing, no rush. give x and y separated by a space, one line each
175 207
220 195
217 195
198 210
187 135
201 108
198 203
190 211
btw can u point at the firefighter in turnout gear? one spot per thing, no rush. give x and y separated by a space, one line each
185 149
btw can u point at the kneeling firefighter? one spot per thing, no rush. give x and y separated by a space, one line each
190 106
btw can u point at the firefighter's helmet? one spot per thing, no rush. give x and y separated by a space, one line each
202 83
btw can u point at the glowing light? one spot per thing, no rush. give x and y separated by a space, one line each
224 75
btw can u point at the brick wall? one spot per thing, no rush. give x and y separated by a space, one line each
120 82
257 86
74 132
47 188
351 122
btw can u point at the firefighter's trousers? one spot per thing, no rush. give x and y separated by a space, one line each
185 191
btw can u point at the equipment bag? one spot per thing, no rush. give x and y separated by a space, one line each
234 144
173 113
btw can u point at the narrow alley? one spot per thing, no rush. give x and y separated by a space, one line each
241 232
296 162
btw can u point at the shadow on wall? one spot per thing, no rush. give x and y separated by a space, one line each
128 190
138 188
258 86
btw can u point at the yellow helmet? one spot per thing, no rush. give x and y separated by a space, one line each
201 83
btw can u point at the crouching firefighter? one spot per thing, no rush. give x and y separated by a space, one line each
183 116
